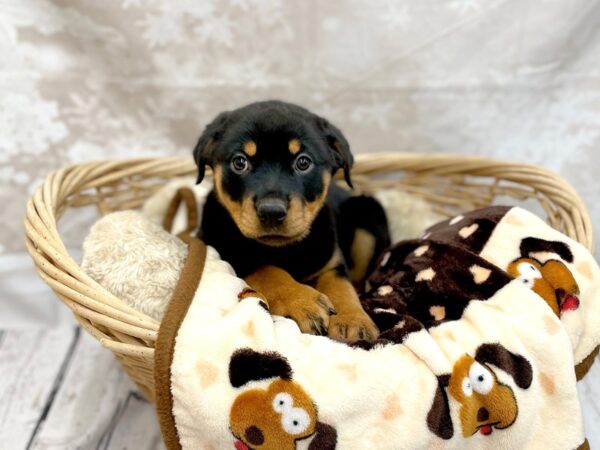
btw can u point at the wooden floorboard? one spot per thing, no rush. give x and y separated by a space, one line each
59 389
30 362
132 430
92 400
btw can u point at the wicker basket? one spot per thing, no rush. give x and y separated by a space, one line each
451 183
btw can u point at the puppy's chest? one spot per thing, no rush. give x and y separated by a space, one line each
300 260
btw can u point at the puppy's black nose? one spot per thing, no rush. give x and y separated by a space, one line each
271 210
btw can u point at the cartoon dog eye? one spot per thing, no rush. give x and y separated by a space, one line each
295 421
282 402
466 386
527 273
482 380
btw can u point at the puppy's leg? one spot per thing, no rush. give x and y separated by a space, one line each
363 235
286 297
351 321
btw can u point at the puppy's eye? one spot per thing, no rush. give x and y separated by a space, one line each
303 163
240 164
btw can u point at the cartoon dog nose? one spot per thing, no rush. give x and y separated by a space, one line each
254 436
271 211
483 414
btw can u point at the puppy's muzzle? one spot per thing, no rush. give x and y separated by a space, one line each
271 211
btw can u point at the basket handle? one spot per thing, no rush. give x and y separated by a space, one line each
183 195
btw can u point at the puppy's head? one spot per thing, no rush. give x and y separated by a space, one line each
272 163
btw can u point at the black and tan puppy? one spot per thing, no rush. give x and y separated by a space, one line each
272 214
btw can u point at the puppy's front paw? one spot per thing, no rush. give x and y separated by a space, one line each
310 309
353 327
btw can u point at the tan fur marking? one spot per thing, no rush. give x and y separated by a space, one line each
340 292
362 250
244 215
301 215
350 315
289 298
250 148
315 206
295 227
335 260
294 146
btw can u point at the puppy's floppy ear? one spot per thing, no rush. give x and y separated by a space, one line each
211 134
516 365
248 365
338 145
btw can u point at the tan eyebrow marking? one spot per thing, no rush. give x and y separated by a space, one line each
294 146
250 148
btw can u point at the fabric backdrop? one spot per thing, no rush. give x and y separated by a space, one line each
82 80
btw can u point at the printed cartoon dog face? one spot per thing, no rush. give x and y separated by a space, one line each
274 418
551 280
485 402
273 163
277 417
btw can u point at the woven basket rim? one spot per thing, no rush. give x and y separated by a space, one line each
131 335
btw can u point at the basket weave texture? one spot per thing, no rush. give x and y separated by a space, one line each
452 184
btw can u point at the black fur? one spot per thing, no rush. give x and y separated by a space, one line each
271 125
300 259
366 213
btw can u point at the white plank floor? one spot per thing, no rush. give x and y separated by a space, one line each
60 390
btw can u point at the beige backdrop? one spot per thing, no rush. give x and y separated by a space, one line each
85 79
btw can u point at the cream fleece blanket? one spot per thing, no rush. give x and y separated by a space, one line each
494 369
482 321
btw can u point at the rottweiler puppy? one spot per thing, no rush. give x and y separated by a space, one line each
276 216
